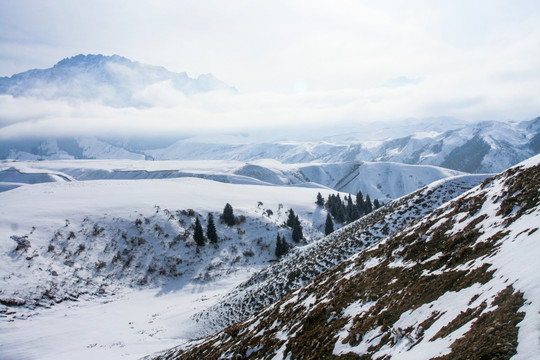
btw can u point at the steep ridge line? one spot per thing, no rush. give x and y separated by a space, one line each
304 264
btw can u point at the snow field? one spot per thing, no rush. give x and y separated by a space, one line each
103 214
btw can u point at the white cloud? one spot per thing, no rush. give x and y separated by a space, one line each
169 112
303 62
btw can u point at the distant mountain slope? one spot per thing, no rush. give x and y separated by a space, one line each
12 177
381 181
308 262
475 148
462 282
112 80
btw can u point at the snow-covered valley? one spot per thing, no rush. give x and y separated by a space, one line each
129 325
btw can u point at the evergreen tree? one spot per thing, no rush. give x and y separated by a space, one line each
376 204
320 200
360 204
329 225
211 233
297 233
198 234
331 204
281 246
329 201
291 220
369 206
352 210
228 215
340 213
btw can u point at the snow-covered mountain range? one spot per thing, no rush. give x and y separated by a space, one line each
475 148
110 80
75 250
459 282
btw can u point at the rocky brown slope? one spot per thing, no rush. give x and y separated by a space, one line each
304 264
459 283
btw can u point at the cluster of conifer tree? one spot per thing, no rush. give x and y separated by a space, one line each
282 246
345 211
211 233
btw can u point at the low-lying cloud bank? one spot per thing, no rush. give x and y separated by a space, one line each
161 110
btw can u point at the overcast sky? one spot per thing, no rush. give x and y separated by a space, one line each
476 60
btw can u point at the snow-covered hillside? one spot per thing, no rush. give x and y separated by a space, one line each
20 174
90 235
111 80
304 264
381 181
74 247
461 282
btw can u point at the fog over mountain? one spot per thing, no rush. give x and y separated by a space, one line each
102 107
119 99
110 80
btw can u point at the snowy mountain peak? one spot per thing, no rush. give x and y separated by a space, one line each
90 59
111 80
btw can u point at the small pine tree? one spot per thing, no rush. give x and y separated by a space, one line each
228 215
352 210
291 220
369 205
320 200
211 233
340 211
329 225
282 247
198 234
376 204
360 204
297 233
